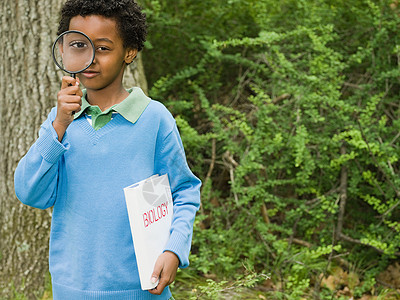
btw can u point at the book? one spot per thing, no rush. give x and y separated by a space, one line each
150 209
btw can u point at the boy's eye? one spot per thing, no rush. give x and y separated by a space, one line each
78 44
103 48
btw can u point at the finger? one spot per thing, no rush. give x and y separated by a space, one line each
68 108
162 284
79 92
68 81
159 288
71 99
73 91
156 271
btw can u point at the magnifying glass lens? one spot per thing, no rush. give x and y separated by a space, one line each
73 52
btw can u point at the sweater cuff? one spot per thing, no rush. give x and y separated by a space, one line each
180 245
49 146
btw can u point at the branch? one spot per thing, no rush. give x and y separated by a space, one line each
382 171
280 98
343 199
337 258
212 164
230 163
389 286
301 242
354 241
343 196
234 163
317 199
353 85
264 213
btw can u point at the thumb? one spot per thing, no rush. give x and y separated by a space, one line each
156 271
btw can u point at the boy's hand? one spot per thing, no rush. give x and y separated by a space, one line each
68 102
165 269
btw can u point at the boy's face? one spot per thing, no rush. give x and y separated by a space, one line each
108 66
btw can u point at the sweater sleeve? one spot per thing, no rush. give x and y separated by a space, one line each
36 176
185 189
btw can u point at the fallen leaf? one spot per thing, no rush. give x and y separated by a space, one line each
329 282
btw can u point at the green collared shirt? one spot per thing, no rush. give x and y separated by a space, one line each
130 108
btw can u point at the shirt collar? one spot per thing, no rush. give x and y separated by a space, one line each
130 108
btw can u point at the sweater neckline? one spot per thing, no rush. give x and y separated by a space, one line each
96 135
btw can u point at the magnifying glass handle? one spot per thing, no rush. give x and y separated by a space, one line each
73 75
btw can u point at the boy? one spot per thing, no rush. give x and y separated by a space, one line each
92 145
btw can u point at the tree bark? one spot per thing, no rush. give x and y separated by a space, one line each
29 82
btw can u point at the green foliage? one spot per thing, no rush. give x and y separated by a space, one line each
300 99
189 287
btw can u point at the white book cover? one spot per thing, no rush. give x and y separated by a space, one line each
150 209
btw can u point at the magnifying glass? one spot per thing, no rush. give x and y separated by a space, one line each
73 52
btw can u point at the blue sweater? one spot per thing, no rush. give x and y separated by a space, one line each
82 178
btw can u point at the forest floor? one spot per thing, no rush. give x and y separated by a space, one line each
201 289
338 285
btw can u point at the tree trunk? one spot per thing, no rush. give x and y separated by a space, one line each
29 82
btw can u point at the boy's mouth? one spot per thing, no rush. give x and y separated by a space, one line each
89 73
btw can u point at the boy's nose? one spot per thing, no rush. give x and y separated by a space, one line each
94 60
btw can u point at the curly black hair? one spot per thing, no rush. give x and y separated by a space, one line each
131 21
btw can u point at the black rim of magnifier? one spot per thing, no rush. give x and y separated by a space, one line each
55 43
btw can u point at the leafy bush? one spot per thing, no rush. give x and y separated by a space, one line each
289 113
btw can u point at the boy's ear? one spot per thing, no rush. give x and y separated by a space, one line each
130 55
